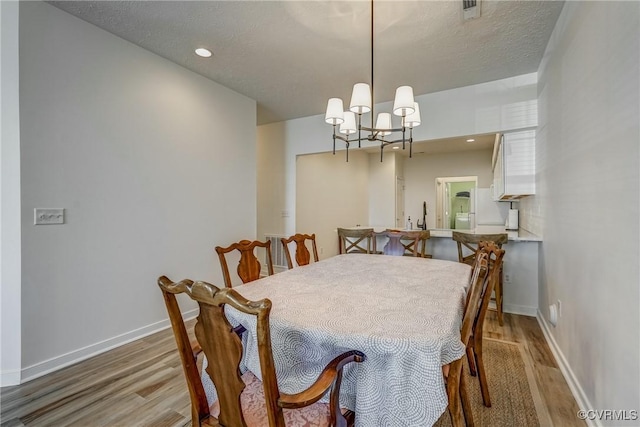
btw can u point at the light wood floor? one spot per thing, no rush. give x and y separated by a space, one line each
141 384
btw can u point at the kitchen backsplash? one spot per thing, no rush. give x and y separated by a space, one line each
531 215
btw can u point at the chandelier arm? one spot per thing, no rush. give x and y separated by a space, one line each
403 135
359 129
383 130
347 151
410 142
342 138
334 139
395 141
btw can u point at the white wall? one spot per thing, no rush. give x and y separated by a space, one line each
331 193
10 273
501 105
271 182
588 190
154 164
421 171
382 190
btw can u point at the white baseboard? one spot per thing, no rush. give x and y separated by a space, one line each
520 309
45 367
9 378
567 372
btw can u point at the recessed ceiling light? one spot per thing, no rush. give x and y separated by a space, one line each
205 53
395 148
470 140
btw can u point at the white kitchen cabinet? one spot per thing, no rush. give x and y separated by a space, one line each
514 168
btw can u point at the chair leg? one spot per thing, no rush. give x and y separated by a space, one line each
455 412
471 360
466 406
498 292
453 393
482 376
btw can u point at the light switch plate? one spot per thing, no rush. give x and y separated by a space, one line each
47 216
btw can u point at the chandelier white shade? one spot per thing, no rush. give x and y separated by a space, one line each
383 124
360 98
348 127
403 104
413 119
335 112
362 102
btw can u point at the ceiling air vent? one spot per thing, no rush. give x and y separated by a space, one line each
470 9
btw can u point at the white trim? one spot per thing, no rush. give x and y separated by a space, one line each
8 378
519 309
10 208
56 363
565 368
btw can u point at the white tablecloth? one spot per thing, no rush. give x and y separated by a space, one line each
404 313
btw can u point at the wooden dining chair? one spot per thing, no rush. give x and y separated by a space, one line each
474 346
356 240
244 399
394 244
249 265
467 247
459 406
303 257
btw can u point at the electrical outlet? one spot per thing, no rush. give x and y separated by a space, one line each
559 303
507 278
47 216
321 250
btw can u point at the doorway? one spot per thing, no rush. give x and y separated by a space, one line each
455 202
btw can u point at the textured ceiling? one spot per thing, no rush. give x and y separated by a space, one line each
291 56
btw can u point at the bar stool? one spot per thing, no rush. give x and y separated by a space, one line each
359 240
470 242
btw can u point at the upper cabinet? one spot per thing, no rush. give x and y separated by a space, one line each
514 165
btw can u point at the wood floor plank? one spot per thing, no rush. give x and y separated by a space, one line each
536 342
562 407
74 404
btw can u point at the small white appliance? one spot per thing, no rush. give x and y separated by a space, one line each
462 221
512 220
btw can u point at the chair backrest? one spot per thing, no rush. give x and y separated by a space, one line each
477 287
249 265
394 244
223 348
199 405
303 257
355 240
455 380
494 259
470 242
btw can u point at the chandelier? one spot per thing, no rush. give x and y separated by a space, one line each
350 122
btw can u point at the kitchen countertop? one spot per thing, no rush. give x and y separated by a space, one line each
519 235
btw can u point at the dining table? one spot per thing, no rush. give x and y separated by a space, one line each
404 313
